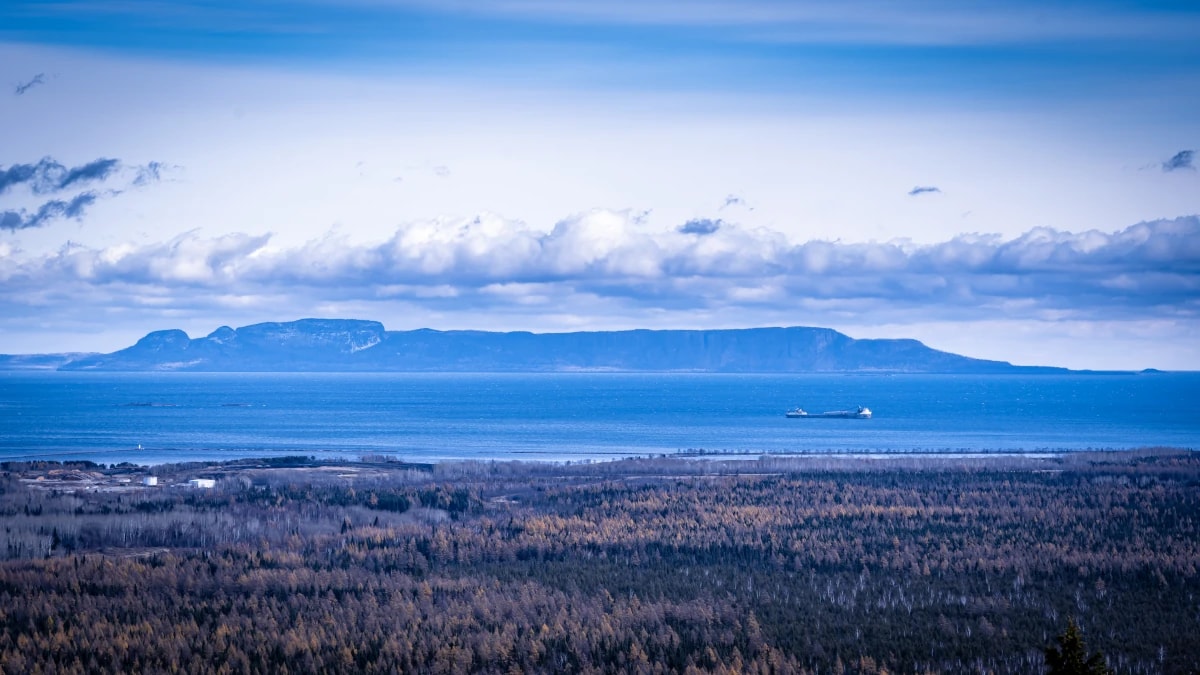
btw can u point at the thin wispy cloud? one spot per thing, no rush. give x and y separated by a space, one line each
47 212
150 173
923 190
227 26
859 21
1182 160
92 171
34 81
48 176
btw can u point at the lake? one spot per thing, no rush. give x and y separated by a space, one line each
151 418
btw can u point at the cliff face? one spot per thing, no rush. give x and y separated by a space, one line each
308 344
348 345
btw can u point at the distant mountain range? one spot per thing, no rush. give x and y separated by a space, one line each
337 345
39 361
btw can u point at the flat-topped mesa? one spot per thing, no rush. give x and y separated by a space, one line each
343 345
342 335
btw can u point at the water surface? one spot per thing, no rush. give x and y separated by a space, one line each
105 417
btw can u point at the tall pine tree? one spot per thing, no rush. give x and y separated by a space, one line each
1071 657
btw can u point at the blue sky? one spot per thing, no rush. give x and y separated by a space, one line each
1010 180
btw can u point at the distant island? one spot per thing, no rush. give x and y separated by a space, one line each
343 345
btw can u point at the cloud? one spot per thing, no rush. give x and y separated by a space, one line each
12 220
17 174
149 173
51 210
700 226
49 176
923 189
605 261
97 170
23 87
859 21
733 200
934 22
1181 160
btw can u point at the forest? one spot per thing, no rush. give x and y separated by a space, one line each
771 565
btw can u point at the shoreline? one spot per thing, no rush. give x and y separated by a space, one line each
154 457
159 457
242 473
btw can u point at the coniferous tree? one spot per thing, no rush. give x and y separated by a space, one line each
1071 657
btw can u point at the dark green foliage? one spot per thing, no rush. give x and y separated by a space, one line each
1071 657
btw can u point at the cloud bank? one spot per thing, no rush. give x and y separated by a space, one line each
936 22
605 261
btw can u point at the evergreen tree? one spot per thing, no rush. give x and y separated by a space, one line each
1070 658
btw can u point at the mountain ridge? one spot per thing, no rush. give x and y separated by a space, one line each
354 345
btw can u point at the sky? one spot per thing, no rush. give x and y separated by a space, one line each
1006 180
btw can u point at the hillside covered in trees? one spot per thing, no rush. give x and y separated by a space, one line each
770 566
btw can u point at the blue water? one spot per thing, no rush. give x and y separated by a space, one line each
421 417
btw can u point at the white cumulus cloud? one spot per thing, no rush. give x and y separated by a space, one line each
611 266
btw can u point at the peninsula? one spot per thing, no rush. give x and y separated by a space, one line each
341 345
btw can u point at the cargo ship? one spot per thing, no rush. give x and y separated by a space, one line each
860 414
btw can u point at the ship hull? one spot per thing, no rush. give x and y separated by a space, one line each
837 414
